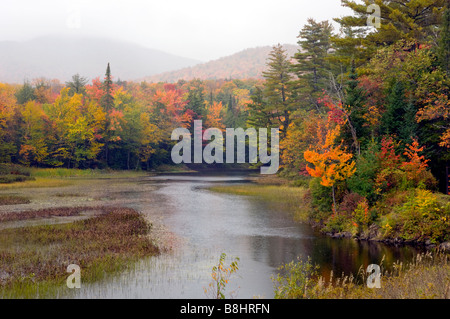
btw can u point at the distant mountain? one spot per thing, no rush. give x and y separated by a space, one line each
249 63
61 57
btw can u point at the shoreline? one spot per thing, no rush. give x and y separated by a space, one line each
372 234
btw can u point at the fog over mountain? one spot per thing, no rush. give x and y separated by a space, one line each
249 63
57 57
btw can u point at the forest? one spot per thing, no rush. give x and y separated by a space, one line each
363 115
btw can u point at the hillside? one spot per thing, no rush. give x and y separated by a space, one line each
61 57
249 63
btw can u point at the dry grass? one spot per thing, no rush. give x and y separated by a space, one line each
34 259
427 277
84 173
42 213
38 182
13 200
292 198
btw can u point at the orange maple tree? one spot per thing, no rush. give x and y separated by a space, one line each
214 116
331 162
437 107
416 164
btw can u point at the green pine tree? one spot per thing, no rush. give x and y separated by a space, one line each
77 85
25 93
399 117
312 67
413 20
107 99
356 134
277 89
107 102
196 98
258 115
444 42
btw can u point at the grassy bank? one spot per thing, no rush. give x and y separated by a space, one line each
61 177
34 259
83 173
411 216
293 198
428 276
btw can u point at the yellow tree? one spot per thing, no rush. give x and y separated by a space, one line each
214 115
331 161
34 147
8 105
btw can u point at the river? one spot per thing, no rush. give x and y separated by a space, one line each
206 224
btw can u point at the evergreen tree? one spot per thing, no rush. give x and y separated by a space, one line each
258 115
77 85
347 49
354 104
413 20
196 99
25 93
408 130
277 88
107 99
107 102
312 67
394 118
444 42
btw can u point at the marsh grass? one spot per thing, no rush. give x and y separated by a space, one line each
38 182
43 213
293 199
426 277
34 259
82 173
61 177
173 169
13 200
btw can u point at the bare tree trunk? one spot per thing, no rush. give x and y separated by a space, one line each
341 98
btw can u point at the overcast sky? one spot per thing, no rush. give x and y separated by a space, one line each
199 29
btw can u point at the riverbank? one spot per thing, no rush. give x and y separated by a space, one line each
190 215
62 217
398 223
426 277
35 258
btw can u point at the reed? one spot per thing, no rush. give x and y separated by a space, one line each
34 259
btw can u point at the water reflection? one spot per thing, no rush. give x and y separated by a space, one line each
263 236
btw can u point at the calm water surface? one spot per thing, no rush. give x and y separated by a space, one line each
262 235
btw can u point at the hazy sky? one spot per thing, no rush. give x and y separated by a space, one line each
199 29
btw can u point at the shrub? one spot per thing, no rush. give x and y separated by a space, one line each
220 277
367 167
13 169
422 217
361 215
297 280
301 182
10 173
6 179
388 179
337 224
349 203
321 196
